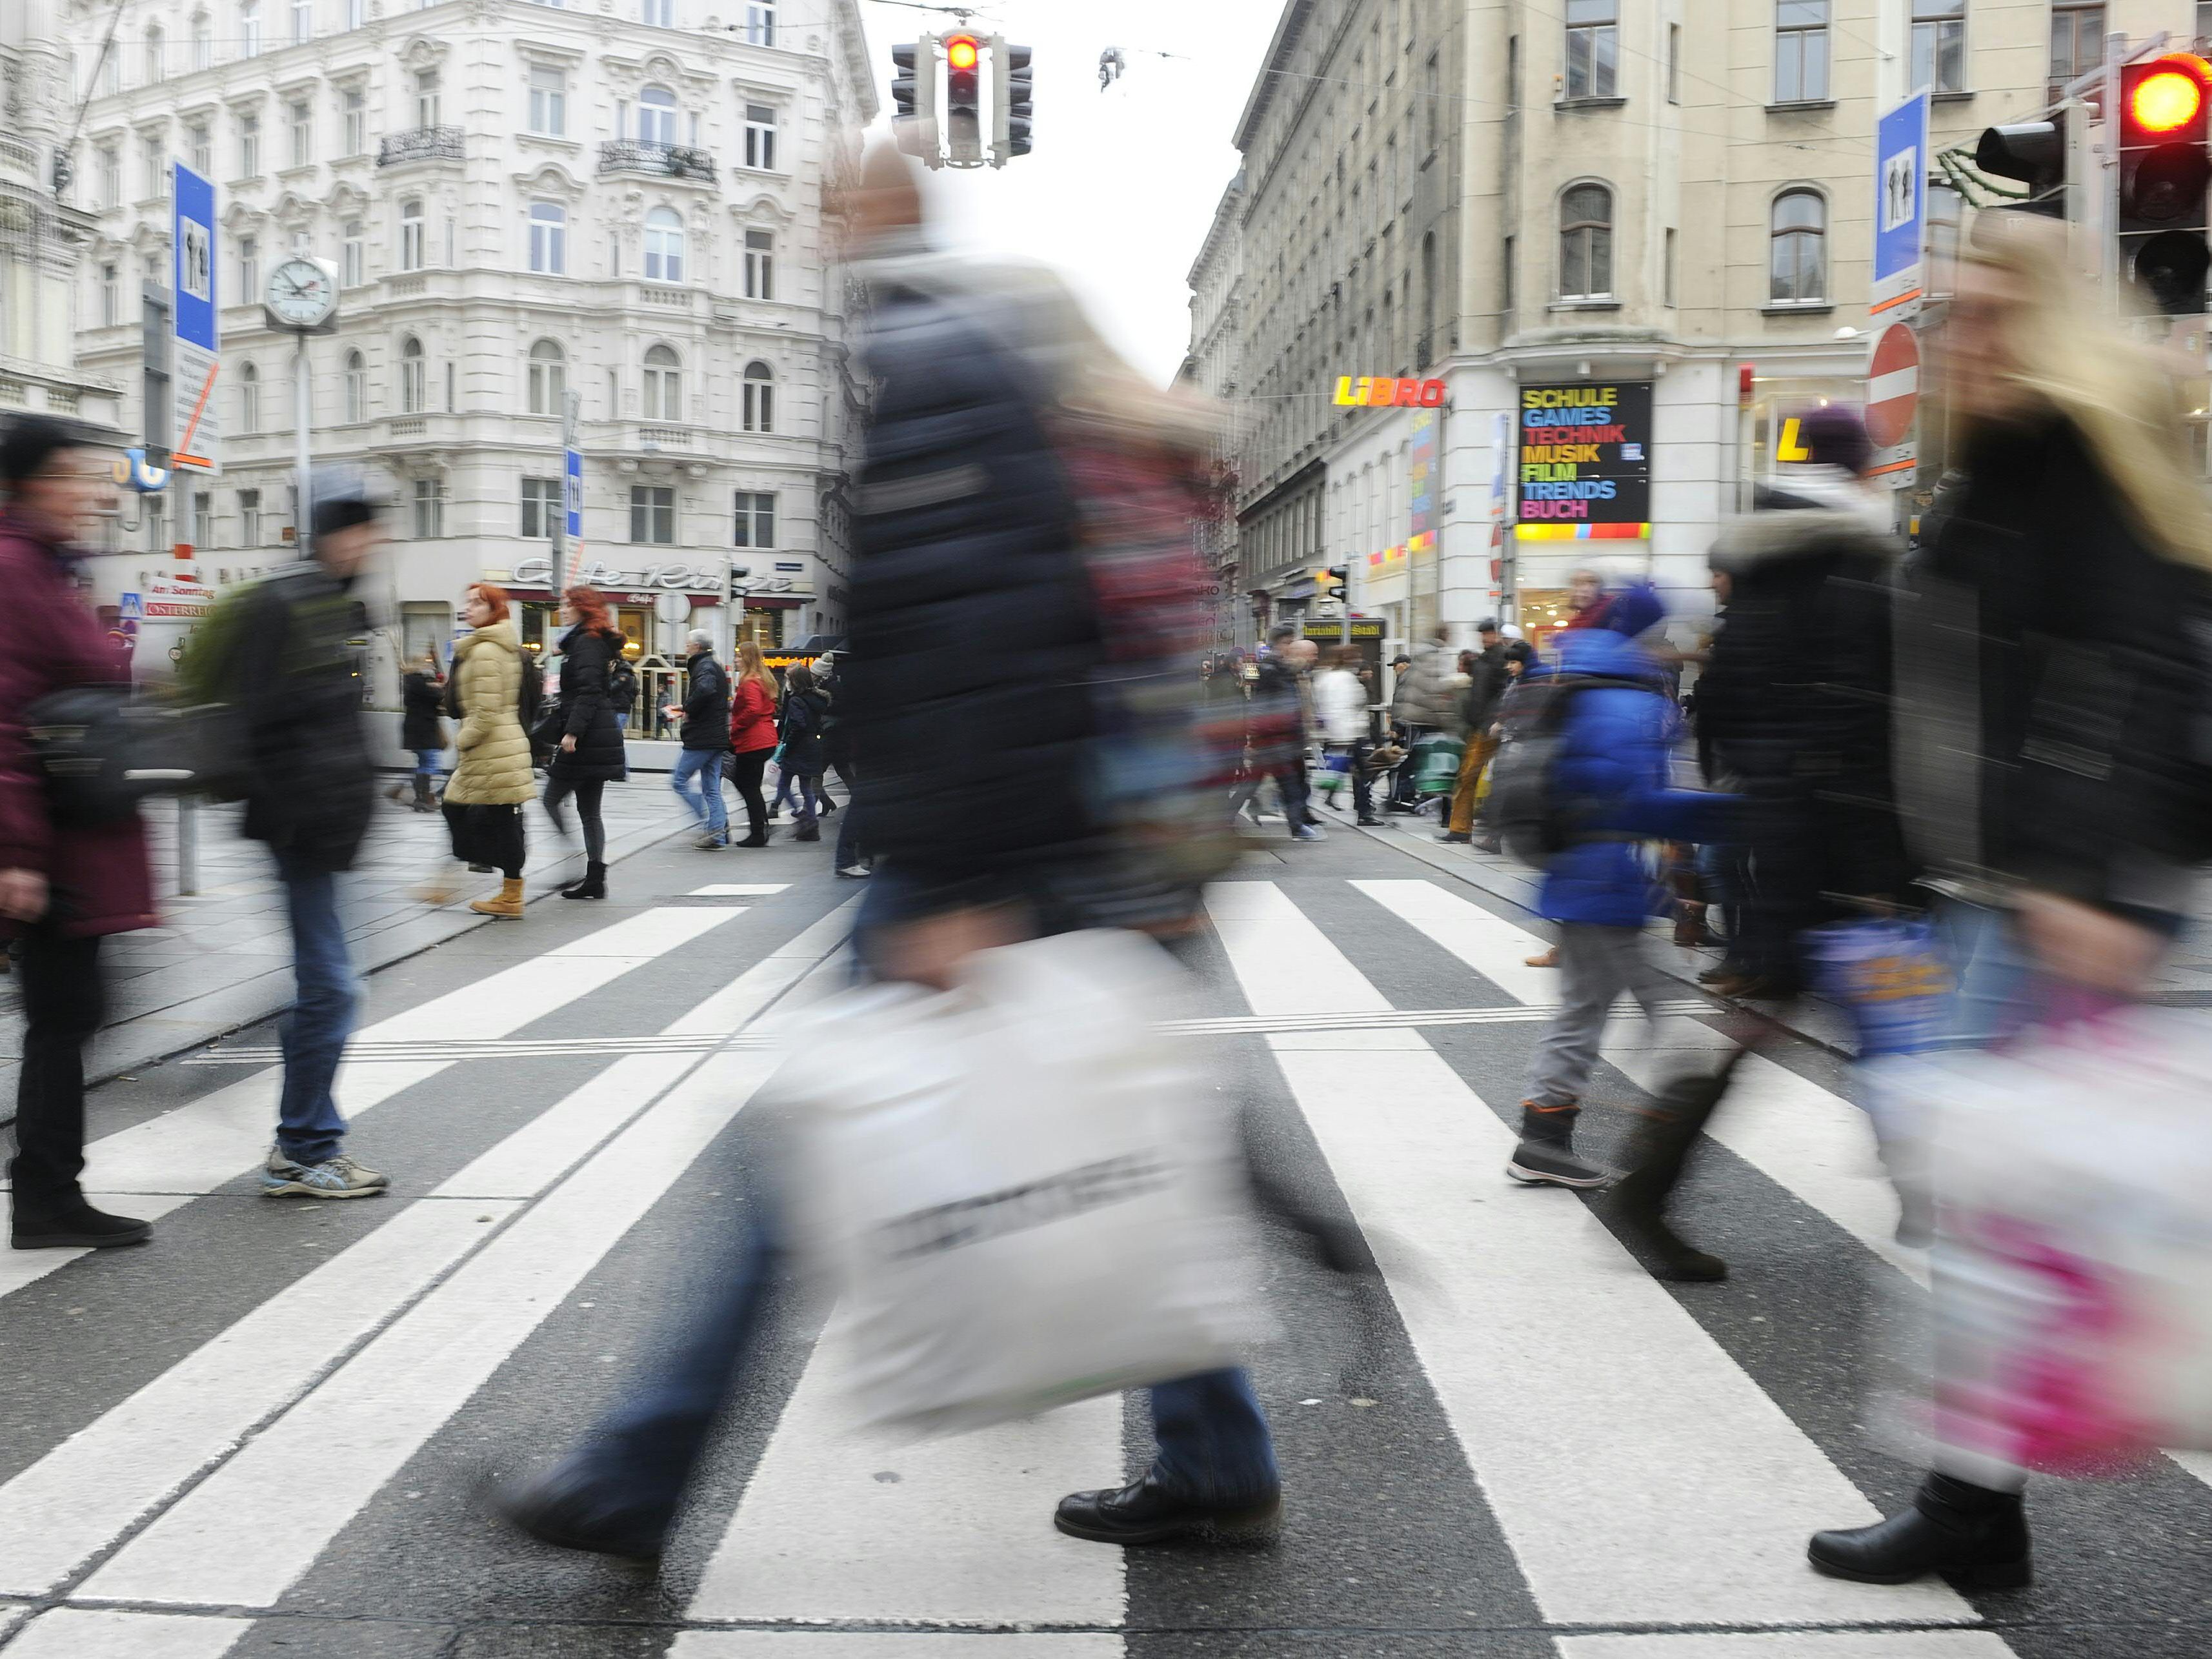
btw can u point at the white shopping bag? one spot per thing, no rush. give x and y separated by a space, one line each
1024 1193
2073 1263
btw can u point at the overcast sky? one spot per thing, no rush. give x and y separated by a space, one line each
1122 184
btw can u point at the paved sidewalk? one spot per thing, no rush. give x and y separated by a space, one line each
224 959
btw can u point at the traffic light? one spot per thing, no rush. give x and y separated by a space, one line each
2034 153
1011 85
1328 585
964 100
914 91
2164 172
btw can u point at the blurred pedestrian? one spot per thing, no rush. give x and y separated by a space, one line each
705 738
1485 683
848 861
1339 699
63 888
1422 705
805 710
421 730
2050 761
492 778
590 755
752 736
310 791
1277 722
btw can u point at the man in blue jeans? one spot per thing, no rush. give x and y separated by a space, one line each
697 778
310 792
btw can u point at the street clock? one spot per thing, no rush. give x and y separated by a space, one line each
301 294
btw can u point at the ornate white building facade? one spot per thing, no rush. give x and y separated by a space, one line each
632 200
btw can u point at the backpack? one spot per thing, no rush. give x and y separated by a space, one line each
530 698
621 685
1531 819
207 690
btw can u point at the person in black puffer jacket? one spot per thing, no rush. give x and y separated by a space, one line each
806 713
590 755
421 733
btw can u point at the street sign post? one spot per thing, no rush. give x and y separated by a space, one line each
1893 405
1900 201
569 529
197 343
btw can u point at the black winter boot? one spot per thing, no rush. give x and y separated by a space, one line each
1545 1156
424 801
1657 1152
1975 1536
593 885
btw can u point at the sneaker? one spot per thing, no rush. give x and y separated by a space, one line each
854 872
1307 832
1371 822
1543 1164
334 1178
709 843
1460 837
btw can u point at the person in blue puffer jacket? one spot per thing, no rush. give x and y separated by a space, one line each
1610 779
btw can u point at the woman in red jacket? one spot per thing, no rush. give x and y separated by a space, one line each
752 736
61 890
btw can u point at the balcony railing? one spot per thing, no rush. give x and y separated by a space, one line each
647 155
419 144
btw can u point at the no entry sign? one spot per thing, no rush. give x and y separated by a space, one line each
1892 400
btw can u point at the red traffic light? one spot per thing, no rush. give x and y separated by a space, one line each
2171 94
961 52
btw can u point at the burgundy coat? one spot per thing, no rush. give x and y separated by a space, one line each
98 879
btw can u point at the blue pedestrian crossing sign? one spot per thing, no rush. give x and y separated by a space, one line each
1901 188
129 607
572 473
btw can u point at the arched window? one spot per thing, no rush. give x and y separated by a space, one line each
157 50
1586 243
656 116
548 378
414 377
760 398
1798 248
549 239
249 398
410 233
663 246
356 388
663 385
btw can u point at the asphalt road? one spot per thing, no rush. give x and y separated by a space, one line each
261 1434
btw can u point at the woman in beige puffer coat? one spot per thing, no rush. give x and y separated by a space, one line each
492 781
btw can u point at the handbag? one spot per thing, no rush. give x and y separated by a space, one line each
486 834
100 750
1025 1195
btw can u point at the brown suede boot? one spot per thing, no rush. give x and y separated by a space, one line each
507 903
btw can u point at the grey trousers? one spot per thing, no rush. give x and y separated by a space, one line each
1596 964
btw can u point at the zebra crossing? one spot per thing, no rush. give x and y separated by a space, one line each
1555 1455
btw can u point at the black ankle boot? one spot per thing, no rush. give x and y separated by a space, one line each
1545 1156
1637 1205
593 885
1975 1536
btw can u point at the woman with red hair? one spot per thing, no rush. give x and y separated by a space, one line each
491 781
590 753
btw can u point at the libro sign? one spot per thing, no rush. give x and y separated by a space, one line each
1388 392
1585 465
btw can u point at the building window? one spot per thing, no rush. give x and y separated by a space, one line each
760 264
653 514
760 398
541 507
1593 47
755 515
203 518
427 101
656 116
414 382
663 385
200 141
356 107
203 41
249 398
356 388
1799 257
548 378
760 137
111 296
249 517
303 22
2077 41
110 176
1674 63
429 508
155 168
303 133
663 246
549 239
352 267
249 270
1667 270
356 13
249 146
657 14
157 50
1586 243
249 29
549 101
410 233
1800 50
760 23
1939 44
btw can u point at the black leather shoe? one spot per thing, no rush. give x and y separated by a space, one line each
1975 1537
572 1507
1146 1513
82 1229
